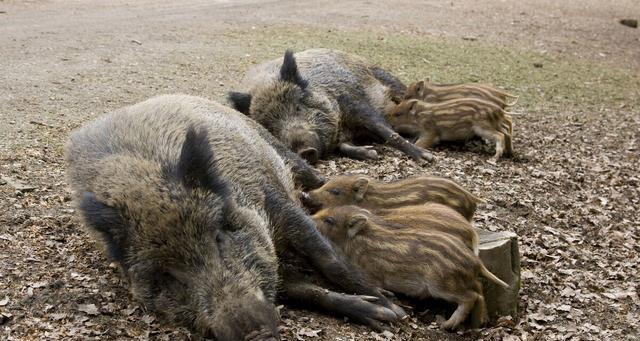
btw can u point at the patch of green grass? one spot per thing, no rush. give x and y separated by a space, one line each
561 83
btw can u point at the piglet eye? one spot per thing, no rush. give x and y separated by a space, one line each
329 221
397 114
334 191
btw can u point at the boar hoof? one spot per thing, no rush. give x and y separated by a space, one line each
261 335
372 154
424 157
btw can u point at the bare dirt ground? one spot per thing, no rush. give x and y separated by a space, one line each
571 191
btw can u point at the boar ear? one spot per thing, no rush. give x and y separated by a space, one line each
196 166
360 188
420 85
240 101
289 70
356 224
105 220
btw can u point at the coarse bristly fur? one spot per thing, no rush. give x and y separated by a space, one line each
369 193
453 120
411 261
193 247
297 98
427 91
194 201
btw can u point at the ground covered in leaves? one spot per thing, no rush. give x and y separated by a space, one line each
571 192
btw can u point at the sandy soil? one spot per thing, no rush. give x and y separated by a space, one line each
571 192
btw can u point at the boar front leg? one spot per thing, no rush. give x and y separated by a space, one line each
357 152
357 308
291 223
361 115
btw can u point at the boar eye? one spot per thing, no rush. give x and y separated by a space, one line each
334 191
329 221
397 114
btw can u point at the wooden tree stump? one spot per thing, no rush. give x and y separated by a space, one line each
499 253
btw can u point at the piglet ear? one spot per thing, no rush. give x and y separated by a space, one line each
289 70
412 104
420 85
356 224
240 101
360 188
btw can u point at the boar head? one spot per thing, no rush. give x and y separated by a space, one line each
304 121
188 250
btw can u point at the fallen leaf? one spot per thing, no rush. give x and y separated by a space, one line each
307 332
89 309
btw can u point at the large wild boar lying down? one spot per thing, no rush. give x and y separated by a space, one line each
196 203
322 100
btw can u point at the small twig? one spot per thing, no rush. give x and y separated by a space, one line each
41 124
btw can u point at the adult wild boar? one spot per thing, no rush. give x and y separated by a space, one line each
196 203
320 100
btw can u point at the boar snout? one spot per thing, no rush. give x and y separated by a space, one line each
310 154
251 320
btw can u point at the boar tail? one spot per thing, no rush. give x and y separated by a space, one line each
493 278
506 95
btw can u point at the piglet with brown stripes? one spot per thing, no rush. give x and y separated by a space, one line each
454 120
434 93
412 261
372 194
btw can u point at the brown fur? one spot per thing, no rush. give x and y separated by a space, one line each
453 120
414 262
433 217
434 93
371 194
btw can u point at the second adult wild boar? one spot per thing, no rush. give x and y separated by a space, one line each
369 193
196 203
320 100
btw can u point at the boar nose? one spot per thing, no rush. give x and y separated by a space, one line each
251 319
310 154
